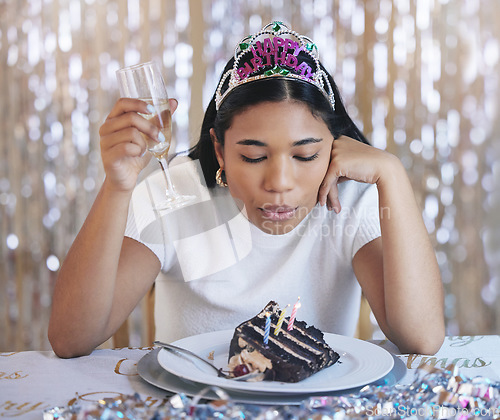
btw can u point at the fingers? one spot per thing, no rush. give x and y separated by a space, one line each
324 189
173 104
125 125
116 153
124 105
125 114
131 120
127 136
329 193
333 199
129 130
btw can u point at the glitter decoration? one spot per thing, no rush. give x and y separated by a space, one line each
439 394
421 79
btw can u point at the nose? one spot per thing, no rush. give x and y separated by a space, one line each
279 175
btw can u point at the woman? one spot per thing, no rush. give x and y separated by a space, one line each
276 141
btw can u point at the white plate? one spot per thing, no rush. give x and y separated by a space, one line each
149 370
361 362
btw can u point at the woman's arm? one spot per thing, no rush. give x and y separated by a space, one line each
398 272
102 279
104 274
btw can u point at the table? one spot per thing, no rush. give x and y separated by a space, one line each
32 381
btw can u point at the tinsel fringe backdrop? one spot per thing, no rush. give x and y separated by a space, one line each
420 78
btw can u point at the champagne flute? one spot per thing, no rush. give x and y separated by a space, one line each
144 81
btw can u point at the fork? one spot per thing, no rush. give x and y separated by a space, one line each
255 376
179 350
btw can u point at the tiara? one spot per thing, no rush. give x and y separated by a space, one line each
275 52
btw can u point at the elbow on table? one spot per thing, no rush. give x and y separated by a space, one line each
66 351
64 348
428 345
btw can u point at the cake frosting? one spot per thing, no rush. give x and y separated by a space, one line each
290 356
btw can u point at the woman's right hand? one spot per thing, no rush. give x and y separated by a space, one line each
123 147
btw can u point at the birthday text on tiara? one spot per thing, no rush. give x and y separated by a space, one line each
269 48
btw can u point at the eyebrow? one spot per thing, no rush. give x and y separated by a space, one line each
250 142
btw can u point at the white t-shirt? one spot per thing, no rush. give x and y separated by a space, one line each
219 270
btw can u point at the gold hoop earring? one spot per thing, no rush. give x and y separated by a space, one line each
220 178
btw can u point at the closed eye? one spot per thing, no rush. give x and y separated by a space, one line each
252 160
307 158
299 158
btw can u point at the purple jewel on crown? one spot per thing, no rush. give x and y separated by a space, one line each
275 53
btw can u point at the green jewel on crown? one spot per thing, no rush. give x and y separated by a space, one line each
310 46
277 70
244 46
277 26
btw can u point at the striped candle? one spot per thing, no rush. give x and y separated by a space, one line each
280 320
294 313
268 328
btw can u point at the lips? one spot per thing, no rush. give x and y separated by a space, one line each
278 213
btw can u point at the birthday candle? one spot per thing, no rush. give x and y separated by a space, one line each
280 320
268 328
294 313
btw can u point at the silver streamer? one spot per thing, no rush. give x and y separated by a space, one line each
420 78
435 394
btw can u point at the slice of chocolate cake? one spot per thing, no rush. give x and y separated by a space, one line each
290 356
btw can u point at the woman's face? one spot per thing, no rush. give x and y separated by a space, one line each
275 157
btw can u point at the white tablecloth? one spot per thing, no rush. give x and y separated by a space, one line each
36 380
